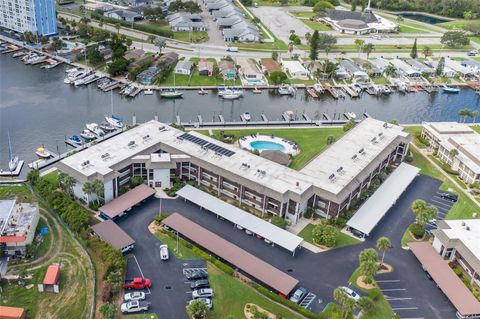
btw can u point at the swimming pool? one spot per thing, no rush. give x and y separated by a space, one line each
266 145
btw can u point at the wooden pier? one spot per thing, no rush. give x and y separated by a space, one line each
135 92
312 93
349 91
111 86
16 172
331 90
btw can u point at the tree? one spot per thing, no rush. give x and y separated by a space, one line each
330 139
308 36
118 66
465 112
160 43
197 309
117 26
359 43
368 48
474 115
390 71
108 310
322 6
365 303
57 43
454 39
426 215
325 235
277 77
275 55
68 182
453 152
394 121
368 255
345 303
314 41
414 52
368 270
418 205
88 188
473 27
353 5
427 51
440 67
383 244
93 54
154 14
33 176
349 125
279 222
326 41
98 189
469 15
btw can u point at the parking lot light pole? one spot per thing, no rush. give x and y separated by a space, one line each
177 243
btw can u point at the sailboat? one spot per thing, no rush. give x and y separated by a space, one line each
13 162
171 93
114 120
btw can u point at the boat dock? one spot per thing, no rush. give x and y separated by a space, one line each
16 172
327 117
111 86
349 91
312 92
220 117
366 115
264 118
96 78
136 92
331 90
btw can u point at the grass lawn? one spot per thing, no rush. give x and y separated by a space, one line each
183 252
407 238
311 140
407 29
476 128
342 239
316 25
416 132
194 37
52 178
475 39
298 81
303 14
380 80
21 192
457 24
231 295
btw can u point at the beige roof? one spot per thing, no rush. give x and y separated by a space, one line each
455 290
126 201
111 233
248 263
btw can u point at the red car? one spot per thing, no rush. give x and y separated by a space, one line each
137 283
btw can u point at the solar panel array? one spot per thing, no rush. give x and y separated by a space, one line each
205 144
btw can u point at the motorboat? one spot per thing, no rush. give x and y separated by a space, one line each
401 87
102 82
75 139
288 115
42 152
13 162
247 116
114 120
231 95
202 91
107 126
318 87
71 70
35 59
351 115
87 135
95 129
29 56
287 90
148 92
128 90
450 89
171 93
387 90
72 77
84 80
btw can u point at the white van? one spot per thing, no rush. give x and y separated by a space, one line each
164 252
232 49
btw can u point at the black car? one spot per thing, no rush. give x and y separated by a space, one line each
449 196
199 284
196 275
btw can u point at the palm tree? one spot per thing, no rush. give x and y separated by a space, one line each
427 51
69 182
474 115
197 309
368 48
345 303
383 244
159 43
368 255
453 152
88 189
418 206
464 113
359 44
98 189
390 71
368 270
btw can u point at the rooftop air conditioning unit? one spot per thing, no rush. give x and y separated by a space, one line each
131 143
467 228
354 157
361 151
340 169
87 162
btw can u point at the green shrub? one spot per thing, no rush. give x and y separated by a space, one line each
457 271
279 222
308 213
374 294
417 230
159 218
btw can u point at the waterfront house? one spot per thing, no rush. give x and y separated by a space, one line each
167 61
420 67
227 69
269 65
250 72
459 68
341 73
354 71
295 70
134 54
144 60
184 67
380 64
124 15
405 69
186 22
474 66
148 76
205 67
447 72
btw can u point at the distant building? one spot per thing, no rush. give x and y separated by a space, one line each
405 69
354 70
420 67
458 241
184 67
18 222
51 281
269 65
12 313
36 16
227 69
148 76
124 15
295 70
186 22
445 137
205 68
250 72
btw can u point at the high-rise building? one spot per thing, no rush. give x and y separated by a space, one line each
36 16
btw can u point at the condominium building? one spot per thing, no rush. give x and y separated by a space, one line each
458 145
36 16
159 153
458 240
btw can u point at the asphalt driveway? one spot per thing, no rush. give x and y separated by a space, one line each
319 273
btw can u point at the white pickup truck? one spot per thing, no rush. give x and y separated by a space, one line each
232 49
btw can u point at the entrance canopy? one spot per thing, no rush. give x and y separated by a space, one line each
123 203
455 290
236 256
373 210
238 216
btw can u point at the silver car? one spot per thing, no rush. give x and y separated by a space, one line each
202 293
137 295
134 306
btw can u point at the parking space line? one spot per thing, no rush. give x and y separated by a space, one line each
406 308
393 289
441 203
392 280
394 298
138 265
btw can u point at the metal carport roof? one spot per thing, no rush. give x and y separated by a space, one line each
455 290
111 233
238 216
243 260
126 201
373 210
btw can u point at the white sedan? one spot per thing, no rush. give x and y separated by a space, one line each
137 295
134 306
350 293
164 252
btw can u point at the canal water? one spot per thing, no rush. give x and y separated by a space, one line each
37 108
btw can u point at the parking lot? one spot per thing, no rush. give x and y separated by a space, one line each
319 273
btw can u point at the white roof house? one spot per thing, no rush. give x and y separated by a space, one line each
404 68
420 67
447 72
380 63
295 70
184 67
458 67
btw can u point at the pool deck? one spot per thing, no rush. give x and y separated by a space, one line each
289 147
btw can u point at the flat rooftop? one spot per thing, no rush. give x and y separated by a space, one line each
442 128
468 146
344 160
16 220
470 238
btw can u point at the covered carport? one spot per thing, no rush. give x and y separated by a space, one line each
239 217
451 285
373 210
232 254
109 232
120 205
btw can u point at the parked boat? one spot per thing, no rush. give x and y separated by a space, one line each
350 115
72 77
256 90
29 56
42 152
75 139
84 80
318 87
202 91
95 129
450 89
13 160
87 135
107 126
115 121
102 82
128 89
171 93
287 90
247 116
71 70
231 95
148 92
